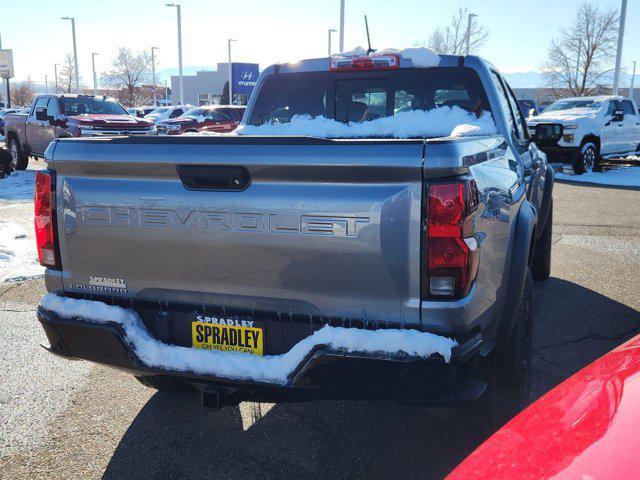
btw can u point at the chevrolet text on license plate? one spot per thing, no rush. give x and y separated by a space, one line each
227 334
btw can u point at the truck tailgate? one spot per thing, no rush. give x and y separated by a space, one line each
323 227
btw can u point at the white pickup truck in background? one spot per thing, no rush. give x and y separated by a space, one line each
582 131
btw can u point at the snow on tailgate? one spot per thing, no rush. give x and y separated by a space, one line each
236 365
437 122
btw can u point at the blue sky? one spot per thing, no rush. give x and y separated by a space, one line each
275 30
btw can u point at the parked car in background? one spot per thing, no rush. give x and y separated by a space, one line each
348 261
584 130
529 107
2 114
59 116
165 113
588 427
215 118
140 112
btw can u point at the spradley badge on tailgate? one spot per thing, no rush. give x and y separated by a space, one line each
102 284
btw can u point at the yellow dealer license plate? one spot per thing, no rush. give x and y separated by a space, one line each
216 336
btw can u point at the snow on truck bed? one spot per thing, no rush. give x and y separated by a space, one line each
237 365
438 122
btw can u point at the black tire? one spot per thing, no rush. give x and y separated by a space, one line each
507 372
19 161
541 264
588 159
164 384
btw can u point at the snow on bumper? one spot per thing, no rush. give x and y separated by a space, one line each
274 369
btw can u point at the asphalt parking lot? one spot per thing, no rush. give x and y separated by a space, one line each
62 419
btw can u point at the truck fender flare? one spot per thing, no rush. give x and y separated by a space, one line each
520 258
543 213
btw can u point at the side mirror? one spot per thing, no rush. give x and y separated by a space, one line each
532 112
618 115
41 114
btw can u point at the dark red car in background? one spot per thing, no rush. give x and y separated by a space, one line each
588 427
213 118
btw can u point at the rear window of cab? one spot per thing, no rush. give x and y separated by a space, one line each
363 96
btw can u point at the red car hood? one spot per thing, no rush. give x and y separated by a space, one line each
107 121
587 427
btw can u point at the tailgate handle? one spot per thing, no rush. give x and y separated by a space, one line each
214 177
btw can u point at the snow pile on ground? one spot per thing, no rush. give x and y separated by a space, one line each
237 365
438 122
620 177
421 57
19 185
18 255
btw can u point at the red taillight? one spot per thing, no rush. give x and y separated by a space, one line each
44 221
369 62
452 251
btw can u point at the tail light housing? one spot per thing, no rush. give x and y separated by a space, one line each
450 259
44 220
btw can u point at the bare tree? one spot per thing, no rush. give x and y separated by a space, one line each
129 72
580 61
66 75
452 39
22 94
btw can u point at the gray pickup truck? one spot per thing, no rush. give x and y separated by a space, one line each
327 255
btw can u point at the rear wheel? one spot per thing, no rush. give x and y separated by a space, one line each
507 372
541 265
165 384
588 160
19 160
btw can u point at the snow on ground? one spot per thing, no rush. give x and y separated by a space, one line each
620 177
19 185
18 256
438 122
236 365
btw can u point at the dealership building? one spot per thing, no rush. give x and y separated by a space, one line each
207 87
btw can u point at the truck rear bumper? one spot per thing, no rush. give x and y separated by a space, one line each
324 374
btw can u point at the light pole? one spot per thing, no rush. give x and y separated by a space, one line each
46 83
55 74
230 72
93 66
331 30
6 83
633 76
181 96
469 20
153 73
341 25
616 74
75 51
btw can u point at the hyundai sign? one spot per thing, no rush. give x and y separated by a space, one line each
244 77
